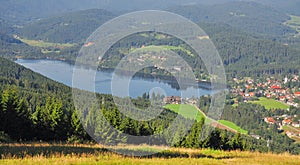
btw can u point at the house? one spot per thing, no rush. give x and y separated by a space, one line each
256 137
286 122
296 124
289 134
297 94
172 100
252 94
270 120
276 87
282 98
268 95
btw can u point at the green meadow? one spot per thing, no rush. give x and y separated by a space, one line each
271 103
189 111
186 110
233 126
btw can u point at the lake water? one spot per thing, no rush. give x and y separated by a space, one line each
62 72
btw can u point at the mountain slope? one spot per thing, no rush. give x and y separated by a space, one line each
73 27
247 16
12 48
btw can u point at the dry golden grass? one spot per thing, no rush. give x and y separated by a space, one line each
36 153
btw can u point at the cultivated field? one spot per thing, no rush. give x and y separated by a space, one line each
52 154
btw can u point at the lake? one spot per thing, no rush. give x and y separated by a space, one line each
62 72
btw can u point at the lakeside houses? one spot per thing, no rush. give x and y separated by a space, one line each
172 100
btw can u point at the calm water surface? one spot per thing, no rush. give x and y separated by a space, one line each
62 72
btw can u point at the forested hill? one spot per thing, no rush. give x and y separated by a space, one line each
243 52
247 16
33 106
251 38
287 6
73 27
12 48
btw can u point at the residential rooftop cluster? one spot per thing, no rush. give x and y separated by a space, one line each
282 90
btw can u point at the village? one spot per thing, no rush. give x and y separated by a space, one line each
271 88
273 91
285 92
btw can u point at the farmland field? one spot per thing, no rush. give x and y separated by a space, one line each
95 154
271 104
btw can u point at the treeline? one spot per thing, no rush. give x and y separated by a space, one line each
53 121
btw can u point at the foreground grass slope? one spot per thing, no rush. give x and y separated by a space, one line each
96 154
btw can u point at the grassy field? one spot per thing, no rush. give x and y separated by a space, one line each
271 104
42 44
294 23
53 154
163 47
233 126
186 110
189 111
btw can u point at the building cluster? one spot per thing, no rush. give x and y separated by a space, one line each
179 100
172 100
286 120
269 88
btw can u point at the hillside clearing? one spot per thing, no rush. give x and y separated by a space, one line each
43 44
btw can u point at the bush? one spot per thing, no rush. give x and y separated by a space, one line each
4 138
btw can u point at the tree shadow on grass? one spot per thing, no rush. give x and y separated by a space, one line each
19 151
47 151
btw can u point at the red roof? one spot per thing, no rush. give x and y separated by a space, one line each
297 93
271 120
275 87
287 121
